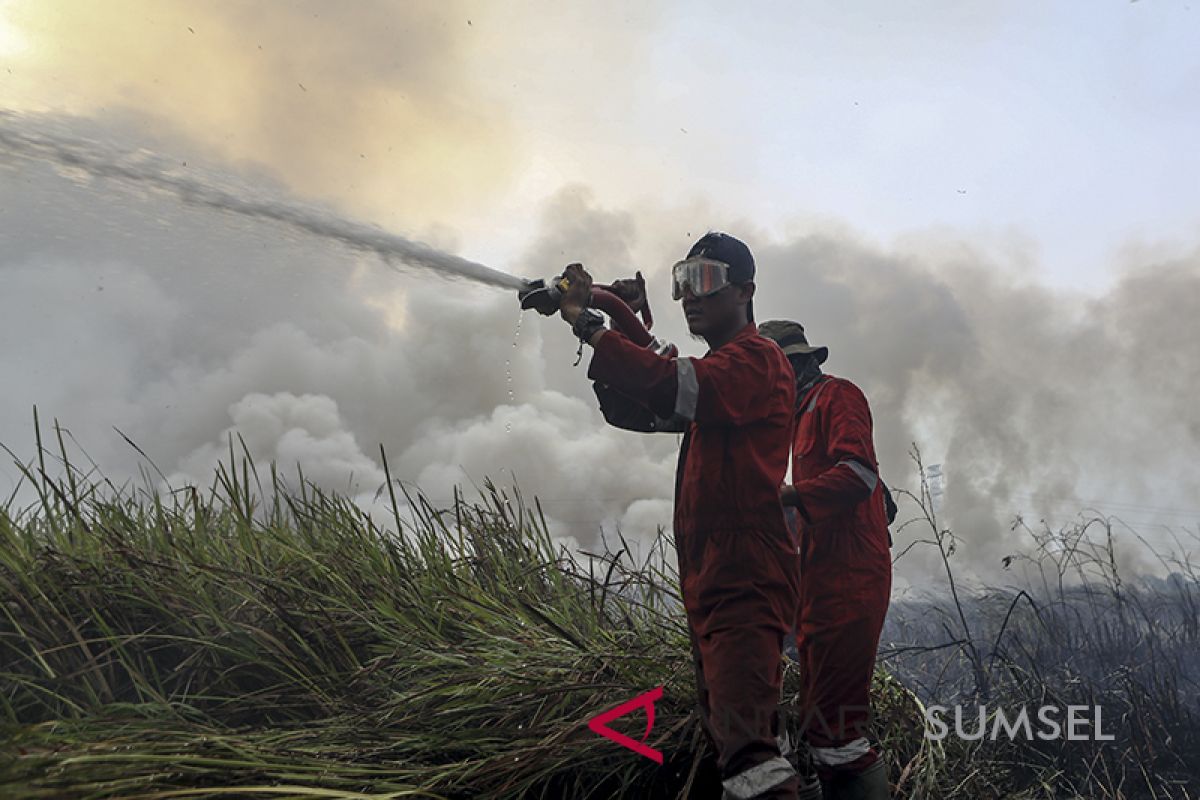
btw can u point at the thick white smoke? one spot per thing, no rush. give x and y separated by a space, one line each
305 431
180 326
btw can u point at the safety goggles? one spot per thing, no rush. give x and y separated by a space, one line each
703 276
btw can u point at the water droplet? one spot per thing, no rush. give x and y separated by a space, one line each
508 371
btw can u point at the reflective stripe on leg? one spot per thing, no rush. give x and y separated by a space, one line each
757 779
836 756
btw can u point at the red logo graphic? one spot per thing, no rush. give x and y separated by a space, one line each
599 724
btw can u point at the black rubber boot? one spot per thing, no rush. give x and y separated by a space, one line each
870 784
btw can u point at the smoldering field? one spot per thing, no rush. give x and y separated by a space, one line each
186 328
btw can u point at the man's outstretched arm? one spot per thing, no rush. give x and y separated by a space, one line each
628 372
622 411
726 387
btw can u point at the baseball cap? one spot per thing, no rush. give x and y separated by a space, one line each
723 247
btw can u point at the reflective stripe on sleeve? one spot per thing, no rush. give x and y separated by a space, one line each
836 756
687 392
868 477
752 782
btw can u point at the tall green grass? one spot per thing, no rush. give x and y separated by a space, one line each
259 638
265 639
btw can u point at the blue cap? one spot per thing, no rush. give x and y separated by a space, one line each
723 247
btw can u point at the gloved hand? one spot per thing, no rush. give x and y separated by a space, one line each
575 299
632 291
790 498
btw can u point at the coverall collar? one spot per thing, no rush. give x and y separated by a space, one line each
750 330
808 378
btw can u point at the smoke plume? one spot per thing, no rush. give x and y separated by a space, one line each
181 326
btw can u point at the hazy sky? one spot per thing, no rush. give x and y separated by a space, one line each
989 211
1068 127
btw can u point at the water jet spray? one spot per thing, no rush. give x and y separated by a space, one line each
54 142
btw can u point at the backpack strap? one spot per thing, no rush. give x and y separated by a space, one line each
808 402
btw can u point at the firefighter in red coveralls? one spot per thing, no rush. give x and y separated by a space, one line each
845 567
737 562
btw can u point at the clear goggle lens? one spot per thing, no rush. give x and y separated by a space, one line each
703 276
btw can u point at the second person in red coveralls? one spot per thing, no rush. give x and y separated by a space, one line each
845 567
737 564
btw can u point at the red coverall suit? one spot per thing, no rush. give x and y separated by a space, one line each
846 570
738 566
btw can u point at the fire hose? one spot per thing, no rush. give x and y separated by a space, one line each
546 296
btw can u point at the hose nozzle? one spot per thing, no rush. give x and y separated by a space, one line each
544 296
